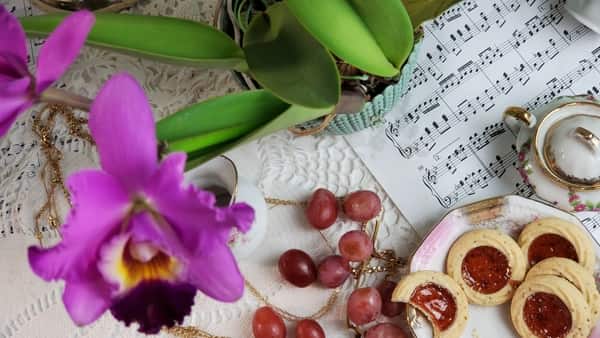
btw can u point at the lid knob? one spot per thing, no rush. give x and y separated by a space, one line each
588 138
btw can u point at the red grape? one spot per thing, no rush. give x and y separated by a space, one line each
333 271
362 206
389 308
385 330
297 268
355 246
267 324
322 209
364 305
309 328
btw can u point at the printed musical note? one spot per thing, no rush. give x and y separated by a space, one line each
449 82
469 6
592 224
486 99
513 5
500 11
490 134
521 73
504 84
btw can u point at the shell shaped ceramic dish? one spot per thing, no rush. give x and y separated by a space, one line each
508 214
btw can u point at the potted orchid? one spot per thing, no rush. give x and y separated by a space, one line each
288 49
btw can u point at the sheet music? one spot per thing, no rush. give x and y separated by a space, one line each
446 144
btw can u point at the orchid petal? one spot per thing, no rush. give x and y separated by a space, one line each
12 36
62 48
181 206
12 66
170 176
191 211
15 88
216 274
13 101
240 215
99 204
86 300
145 229
122 126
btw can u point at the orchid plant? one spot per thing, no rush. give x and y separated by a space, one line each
137 241
288 49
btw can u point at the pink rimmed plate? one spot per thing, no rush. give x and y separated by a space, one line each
507 214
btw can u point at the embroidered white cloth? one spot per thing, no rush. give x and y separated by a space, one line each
281 165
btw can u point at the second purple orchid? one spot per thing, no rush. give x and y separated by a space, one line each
20 89
138 242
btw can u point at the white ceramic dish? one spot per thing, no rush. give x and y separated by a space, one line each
508 214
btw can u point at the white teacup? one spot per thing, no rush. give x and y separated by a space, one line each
220 175
586 11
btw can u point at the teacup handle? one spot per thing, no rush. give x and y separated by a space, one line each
521 115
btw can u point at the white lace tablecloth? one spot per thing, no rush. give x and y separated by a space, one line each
281 165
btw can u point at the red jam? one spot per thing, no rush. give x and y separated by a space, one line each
437 302
551 245
485 269
547 316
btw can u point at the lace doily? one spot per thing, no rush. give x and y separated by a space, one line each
281 165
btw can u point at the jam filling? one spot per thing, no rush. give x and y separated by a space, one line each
437 302
547 316
486 270
551 245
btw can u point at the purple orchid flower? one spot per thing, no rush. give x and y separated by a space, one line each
19 89
138 242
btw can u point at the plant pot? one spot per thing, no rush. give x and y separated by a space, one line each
344 122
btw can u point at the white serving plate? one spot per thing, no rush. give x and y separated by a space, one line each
508 214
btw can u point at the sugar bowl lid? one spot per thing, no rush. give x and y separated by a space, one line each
568 145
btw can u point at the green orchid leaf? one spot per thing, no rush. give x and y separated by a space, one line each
387 20
209 139
285 59
291 116
423 10
210 128
167 39
373 35
254 108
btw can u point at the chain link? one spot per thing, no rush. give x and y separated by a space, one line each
51 173
290 316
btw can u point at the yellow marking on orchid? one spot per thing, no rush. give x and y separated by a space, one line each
133 271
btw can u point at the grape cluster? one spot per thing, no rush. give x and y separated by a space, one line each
297 267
